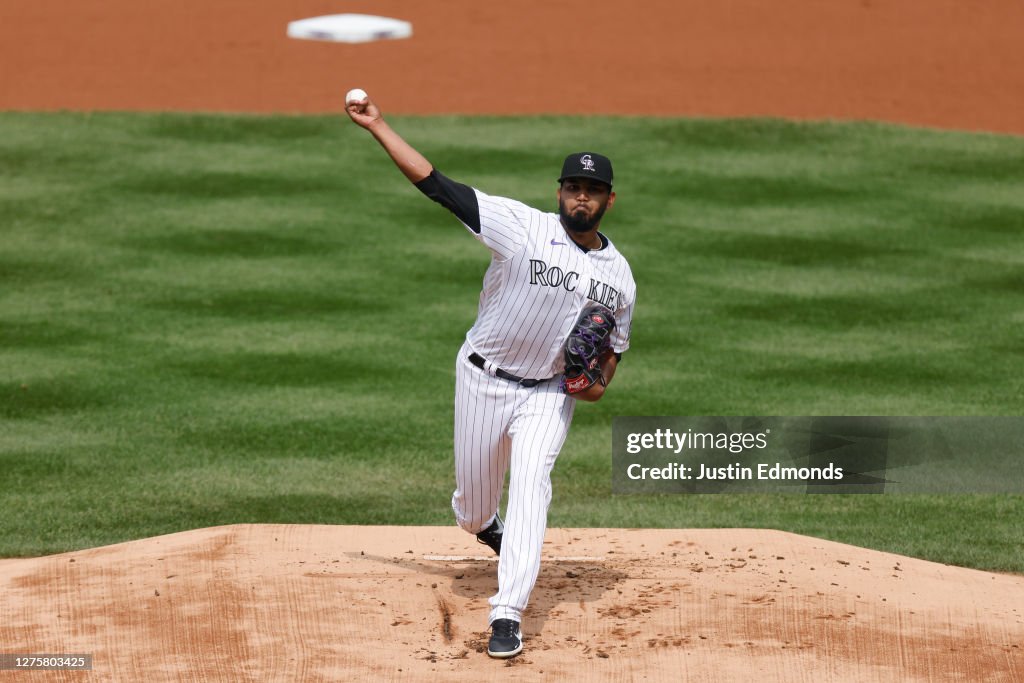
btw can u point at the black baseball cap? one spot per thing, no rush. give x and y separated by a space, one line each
587 165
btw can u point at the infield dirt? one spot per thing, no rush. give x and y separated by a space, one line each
329 603
942 63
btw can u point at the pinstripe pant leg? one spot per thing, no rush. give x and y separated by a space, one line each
538 430
483 408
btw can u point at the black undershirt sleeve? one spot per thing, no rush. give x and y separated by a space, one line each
458 198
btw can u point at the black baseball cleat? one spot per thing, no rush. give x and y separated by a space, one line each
506 639
491 536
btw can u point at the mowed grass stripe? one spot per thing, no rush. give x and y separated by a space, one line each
209 319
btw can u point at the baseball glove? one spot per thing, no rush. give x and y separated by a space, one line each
588 340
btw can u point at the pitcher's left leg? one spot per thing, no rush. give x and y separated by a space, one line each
538 431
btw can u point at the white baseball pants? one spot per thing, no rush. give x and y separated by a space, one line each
499 424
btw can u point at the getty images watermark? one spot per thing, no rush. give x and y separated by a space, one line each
817 454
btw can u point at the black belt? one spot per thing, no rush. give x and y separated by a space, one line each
478 360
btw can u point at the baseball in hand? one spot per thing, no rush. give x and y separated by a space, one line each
354 95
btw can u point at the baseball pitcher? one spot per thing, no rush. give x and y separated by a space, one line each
553 321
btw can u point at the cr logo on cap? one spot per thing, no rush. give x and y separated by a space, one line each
588 163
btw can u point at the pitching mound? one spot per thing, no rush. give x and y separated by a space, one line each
311 603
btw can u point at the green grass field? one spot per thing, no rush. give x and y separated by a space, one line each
211 319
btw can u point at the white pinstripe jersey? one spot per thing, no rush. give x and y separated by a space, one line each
537 284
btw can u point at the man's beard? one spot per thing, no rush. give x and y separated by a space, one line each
578 221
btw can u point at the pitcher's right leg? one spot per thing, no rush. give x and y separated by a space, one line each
483 408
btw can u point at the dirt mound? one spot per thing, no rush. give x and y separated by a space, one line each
324 603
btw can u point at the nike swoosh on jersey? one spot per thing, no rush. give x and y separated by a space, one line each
555 244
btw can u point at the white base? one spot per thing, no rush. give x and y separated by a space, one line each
349 28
